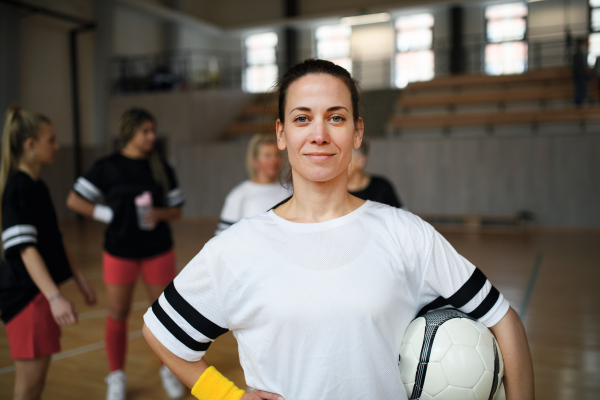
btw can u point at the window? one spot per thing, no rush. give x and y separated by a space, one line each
594 38
414 42
261 62
333 44
506 48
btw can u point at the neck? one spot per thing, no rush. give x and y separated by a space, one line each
30 168
133 152
319 201
264 179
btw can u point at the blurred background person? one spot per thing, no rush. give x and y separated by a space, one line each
262 190
580 73
134 242
366 186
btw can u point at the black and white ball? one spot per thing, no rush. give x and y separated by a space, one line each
447 355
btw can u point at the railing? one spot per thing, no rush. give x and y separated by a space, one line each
190 69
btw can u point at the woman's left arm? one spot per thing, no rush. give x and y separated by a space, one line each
518 367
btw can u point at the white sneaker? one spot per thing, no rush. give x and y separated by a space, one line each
117 385
172 385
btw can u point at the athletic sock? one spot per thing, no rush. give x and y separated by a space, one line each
115 337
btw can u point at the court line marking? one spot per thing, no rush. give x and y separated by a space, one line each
77 351
531 284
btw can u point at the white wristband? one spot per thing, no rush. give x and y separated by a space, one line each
102 213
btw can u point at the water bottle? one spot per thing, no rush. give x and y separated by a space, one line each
143 204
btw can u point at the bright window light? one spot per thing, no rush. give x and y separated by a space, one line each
365 19
414 40
333 44
506 51
506 58
261 62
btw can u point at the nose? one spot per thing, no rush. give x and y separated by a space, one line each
320 134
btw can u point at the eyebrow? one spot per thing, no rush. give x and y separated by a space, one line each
335 108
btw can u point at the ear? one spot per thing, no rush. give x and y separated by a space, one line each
29 144
359 130
279 132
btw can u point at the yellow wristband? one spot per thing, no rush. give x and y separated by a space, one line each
213 386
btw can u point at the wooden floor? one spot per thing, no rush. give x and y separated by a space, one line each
551 279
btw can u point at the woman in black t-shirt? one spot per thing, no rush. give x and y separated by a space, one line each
133 243
369 187
34 260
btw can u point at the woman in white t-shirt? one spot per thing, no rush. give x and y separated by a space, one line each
262 190
319 291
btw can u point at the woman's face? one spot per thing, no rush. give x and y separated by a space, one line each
268 160
144 137
44 146
319 132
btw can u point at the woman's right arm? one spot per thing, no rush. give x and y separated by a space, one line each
80 205
63 311
190 372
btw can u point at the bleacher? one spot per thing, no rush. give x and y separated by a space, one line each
447 104
258 116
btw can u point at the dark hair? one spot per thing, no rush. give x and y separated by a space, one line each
312 66
130 122
309 67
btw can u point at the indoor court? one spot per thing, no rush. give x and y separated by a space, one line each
482 117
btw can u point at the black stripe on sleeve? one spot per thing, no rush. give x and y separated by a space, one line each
469 290
191 315
176 330
486 305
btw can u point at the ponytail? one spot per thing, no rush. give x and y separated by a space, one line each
19 125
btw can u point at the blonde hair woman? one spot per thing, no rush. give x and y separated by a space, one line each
133 243
34 262
262 190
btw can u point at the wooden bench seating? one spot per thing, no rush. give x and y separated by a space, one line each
591 114
554 92
471 80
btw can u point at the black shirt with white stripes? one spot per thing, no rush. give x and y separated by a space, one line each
119 179
28 219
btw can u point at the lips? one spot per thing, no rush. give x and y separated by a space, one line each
319 156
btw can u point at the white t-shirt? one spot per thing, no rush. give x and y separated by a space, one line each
319 309
248 199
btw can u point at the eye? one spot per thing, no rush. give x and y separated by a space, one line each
337 118
301 119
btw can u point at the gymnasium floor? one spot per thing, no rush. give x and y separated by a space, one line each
551 279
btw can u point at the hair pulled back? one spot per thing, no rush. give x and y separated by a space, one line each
130 122
20 124
310 67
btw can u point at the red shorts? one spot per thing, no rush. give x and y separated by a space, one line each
33 333
157 270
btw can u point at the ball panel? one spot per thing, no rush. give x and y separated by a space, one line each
463 366
456 393
486 351
408 364
462 332
441 344
415 327
484 386
409 388
435 380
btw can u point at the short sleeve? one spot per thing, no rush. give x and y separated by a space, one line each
18 218
231 212
450 280
174 196
91 186
187 316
